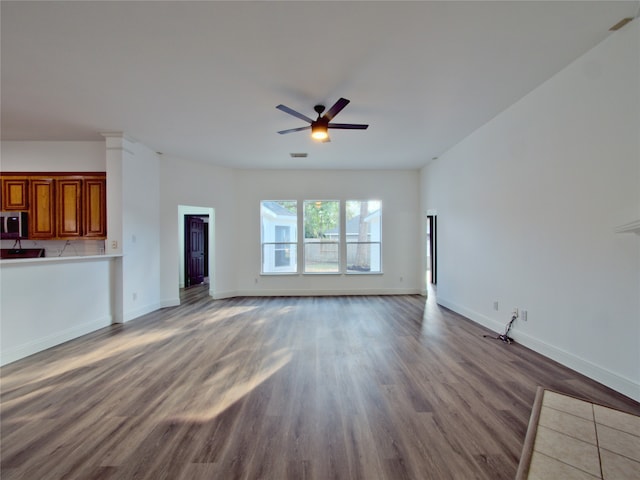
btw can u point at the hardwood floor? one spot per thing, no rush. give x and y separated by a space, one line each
280 388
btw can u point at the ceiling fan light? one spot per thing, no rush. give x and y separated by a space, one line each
319 132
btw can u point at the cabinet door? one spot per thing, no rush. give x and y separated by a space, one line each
69 211
95 207
41 214
15 194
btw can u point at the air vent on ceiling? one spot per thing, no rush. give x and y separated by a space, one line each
620 24
299 155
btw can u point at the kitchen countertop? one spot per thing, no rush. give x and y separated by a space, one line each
18 261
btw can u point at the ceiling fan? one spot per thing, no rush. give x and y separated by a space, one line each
320 125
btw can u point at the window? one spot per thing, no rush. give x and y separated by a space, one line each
325 247
321 236
279 236
363 236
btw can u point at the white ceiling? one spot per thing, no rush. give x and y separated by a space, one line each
200 80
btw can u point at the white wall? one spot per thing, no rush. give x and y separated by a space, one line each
49 301
140 232
52 156
399 193
235 196
527 207
184 182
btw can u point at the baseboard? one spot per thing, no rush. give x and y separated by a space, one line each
316 293
39 344
171 302
483 320
222 295
140 311
619 383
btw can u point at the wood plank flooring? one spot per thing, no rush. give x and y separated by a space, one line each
375 387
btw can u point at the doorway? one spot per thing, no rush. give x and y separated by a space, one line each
208 215
195 249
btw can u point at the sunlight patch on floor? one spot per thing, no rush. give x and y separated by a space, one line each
219 395
109 349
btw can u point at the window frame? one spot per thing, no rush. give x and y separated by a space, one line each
277 252
292 246
368 242
298 247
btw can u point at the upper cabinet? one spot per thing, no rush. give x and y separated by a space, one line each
69 208
60 206
94 205
15 194
42 208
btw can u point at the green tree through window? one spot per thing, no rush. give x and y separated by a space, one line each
321 236
320 217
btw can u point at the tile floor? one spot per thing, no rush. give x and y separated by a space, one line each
580 440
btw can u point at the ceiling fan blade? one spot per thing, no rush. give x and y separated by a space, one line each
348 126
290 111
299 129
337 107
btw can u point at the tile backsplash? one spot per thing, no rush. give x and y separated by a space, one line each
61 248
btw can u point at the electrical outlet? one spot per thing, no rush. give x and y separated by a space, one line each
114 244
515 312
523 313
495 305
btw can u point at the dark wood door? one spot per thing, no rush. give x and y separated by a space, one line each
194 250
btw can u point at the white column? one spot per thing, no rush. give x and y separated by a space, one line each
118 151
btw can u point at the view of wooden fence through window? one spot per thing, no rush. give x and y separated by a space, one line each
363 236
321 236
338 237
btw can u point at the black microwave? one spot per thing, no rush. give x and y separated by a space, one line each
13 225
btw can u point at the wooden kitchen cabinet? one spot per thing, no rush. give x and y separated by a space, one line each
42 208
15 194
68 208
94 205
60 205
